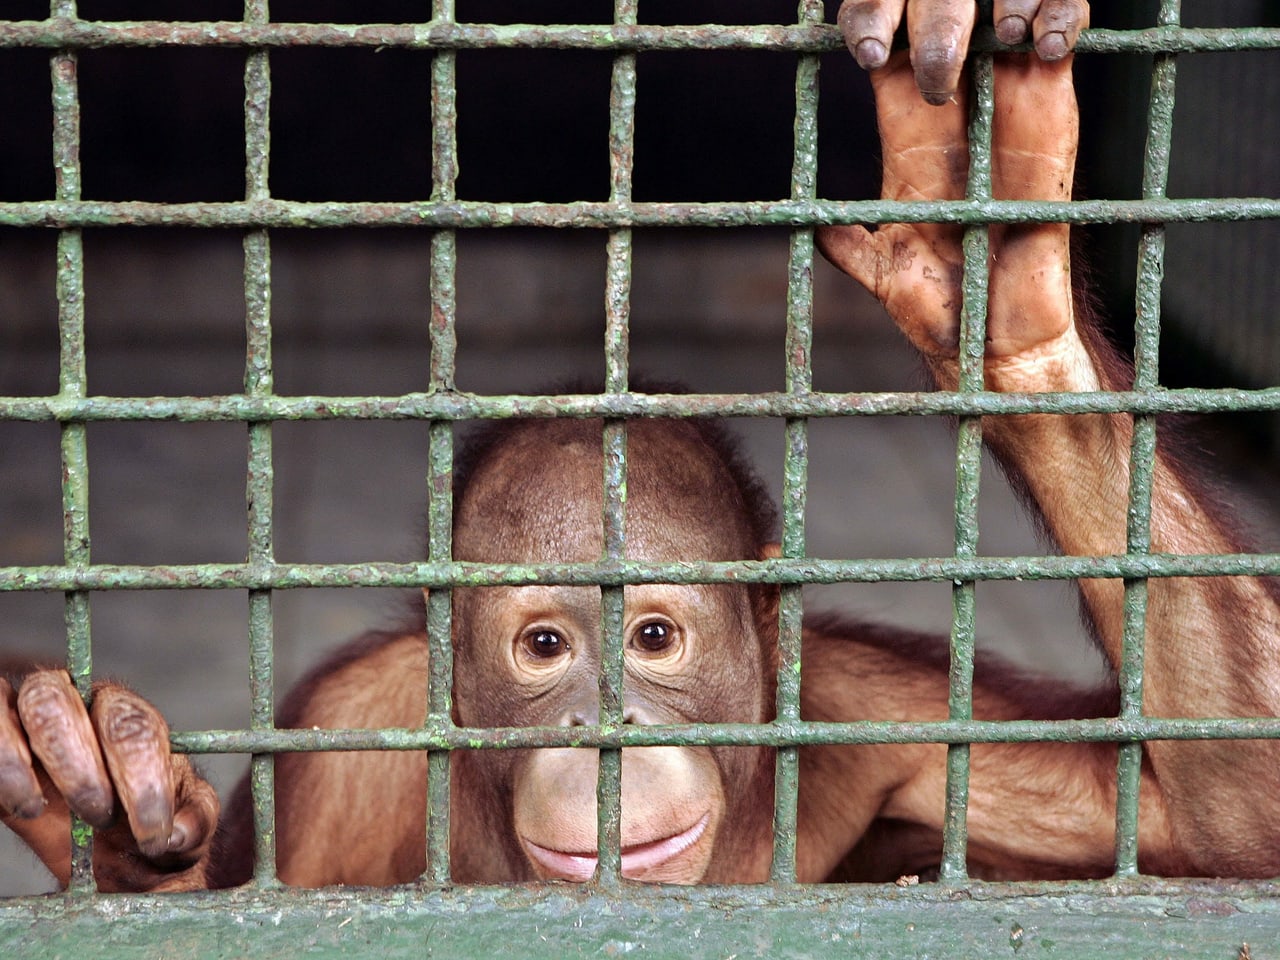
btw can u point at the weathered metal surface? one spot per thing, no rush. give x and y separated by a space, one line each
466 406
294 576
1142 454
1105 919
440 735
474 214
70 33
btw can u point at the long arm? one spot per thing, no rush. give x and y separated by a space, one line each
1212 645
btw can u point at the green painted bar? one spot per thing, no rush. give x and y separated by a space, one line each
776 734
1155 178
259 381
470 214
445 34
64 72
799 381
973 334
442 333
1102 919
463 406
783 571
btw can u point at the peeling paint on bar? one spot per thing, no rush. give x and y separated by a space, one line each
454 405
779 733
463 214
294 576
68 32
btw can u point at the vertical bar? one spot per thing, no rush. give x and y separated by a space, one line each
799 381
622 115
1155 178
71 383
444 252
259 492
973 323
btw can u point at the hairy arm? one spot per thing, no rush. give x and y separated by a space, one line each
1212 645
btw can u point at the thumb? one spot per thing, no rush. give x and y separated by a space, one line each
856 251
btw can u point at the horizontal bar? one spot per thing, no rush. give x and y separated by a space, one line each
1140 917
463 214
817 38
456 405
293 576
779 733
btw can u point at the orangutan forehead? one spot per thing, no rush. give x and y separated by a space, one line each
538 497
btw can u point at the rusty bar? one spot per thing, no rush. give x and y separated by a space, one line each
477 214
777 734
453 405
259 379
443 336
448 35
799 381
622 110
1155 178
296 576
64 68
973 328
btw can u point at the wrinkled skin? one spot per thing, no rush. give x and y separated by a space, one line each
531 654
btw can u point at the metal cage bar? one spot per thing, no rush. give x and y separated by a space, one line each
64 66
445 34
259 381
443 335
1155 177
973 334
799 381
617 308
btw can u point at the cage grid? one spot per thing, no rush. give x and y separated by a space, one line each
953 917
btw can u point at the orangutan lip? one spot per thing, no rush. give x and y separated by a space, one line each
579 867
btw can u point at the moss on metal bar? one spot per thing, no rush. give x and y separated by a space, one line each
465 406
443 736
473 214
444 34
292 576
1117 921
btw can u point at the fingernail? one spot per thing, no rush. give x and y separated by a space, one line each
93 805
870 54
178 839
1052 46
1012 29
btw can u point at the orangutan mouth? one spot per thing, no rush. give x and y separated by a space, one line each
636 859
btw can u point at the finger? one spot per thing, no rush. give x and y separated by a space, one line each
1013 19
1057 27
939 32
19 790
924 148
62 737
1035 129
135 742
868 27
196 817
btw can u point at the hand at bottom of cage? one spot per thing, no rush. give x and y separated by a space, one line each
109 764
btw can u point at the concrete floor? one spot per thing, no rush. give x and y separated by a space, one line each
165 318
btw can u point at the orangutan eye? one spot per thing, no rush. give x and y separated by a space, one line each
655 637
545 644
